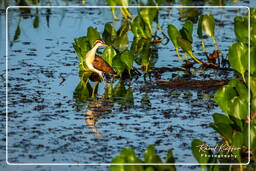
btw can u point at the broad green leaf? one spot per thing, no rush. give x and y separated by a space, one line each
253 85
109 33
123 29
238 57
187 31
174 33
118 64
223 97
83 91
137 27
185 45
253 59
121 43
108 54
82 47
92 35
223 129
241 29
170 158
237 141
198 153
150 155
127 59
240 88
220 118
148 15
206 24
36 22
239 108
253 34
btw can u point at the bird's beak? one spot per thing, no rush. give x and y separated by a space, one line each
104 44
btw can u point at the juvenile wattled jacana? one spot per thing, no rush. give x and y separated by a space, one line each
96 63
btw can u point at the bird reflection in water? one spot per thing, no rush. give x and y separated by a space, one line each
97 107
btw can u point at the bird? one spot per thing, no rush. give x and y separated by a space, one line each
96 63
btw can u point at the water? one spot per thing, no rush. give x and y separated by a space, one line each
47 124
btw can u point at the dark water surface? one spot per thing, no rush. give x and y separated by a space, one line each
47 124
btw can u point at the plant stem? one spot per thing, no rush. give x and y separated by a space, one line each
215 43
203 46
241 167
194 58
177 51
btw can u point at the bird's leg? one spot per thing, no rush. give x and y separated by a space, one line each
104 79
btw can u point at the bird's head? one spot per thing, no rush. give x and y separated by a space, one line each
100 43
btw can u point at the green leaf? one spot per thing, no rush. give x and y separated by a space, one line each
238 57
253 59
108 54
253 85
83 91
121 43
123 29
109 33
223 129
220 118
127 59
174 33
199 154
118 64
187 31
239 108
81 47
241 29
170 157
185 45
36 22
92 35
223 97
137 27
148 15
206 24
150 155
237 141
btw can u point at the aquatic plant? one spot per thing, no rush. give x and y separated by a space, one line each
127 155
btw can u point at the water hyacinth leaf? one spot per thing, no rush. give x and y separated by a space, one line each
240 88
118 65
121 43
137 26
241 29
237 141
92 35
206 24
238 57
109 33
150 155
220 118
187 31
197 153
127 59
185 45
224 129
148 15
108 54
82 46
127 155
253 85
174 33
36 22
239 108
83 91
253 34
253 59
123 29
223 97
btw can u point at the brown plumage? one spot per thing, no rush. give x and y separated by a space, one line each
102 65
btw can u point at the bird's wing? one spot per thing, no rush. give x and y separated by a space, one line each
102 65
